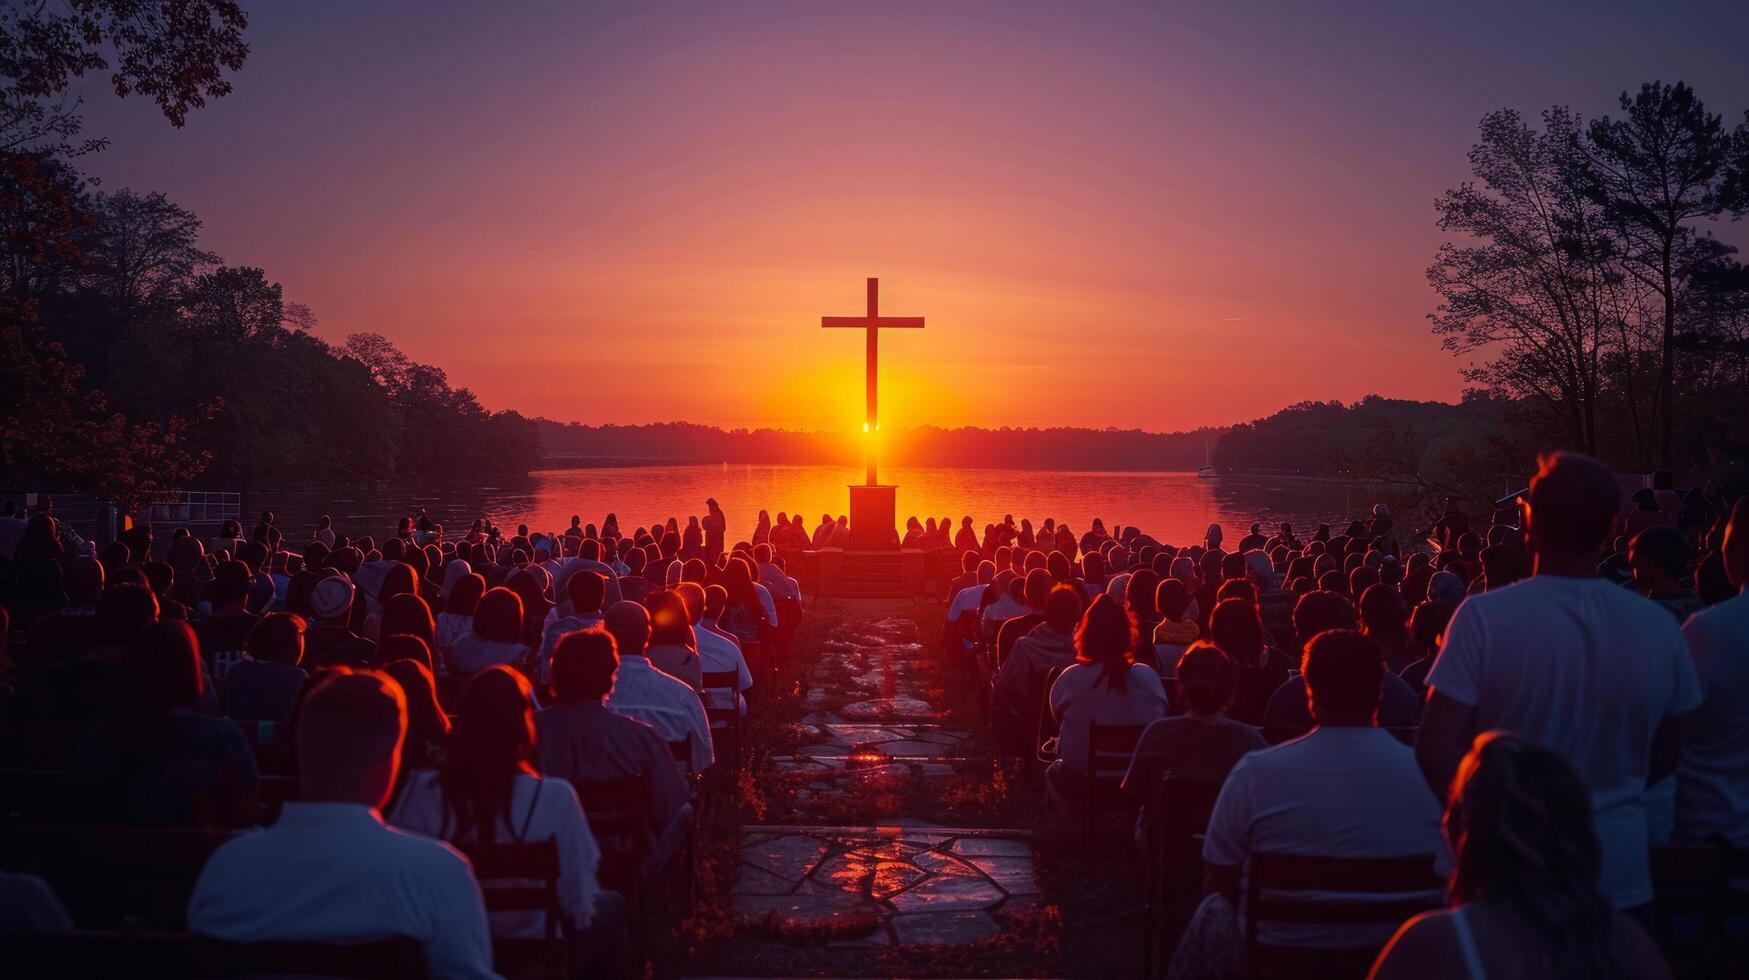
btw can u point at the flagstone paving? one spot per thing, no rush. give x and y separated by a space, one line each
873 733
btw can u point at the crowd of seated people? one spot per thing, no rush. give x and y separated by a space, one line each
367 701
1524 713
1343 697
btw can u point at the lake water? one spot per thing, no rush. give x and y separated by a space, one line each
1176 507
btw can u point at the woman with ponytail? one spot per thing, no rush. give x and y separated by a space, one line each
1524 892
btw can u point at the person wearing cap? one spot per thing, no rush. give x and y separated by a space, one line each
330 641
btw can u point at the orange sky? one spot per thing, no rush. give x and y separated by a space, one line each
1111 214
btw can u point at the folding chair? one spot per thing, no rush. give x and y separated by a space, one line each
618 811
1178 811
726 720
682 753
1383 892
523 877
1047 722
1109 748
1693 899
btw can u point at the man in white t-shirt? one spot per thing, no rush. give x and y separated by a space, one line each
1347 789
1712 782
1566 659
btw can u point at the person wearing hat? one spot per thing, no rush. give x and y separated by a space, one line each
330 641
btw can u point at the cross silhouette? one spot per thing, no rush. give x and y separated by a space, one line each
873 323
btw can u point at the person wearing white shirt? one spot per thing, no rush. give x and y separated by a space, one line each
718 651
967 600
1712 781
1345 790
465 802
329 870
767 603
1006 605
1598 674
641 691
1104 686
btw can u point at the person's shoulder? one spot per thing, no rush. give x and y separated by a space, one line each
1076 673
1422 942
416 854
1243 733
552 792
1732 614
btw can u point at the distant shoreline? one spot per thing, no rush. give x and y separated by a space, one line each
628 462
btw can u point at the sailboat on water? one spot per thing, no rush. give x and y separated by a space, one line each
1207 470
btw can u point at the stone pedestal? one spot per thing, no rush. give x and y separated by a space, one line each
872 515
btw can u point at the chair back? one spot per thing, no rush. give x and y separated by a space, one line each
720 682
1047 723
1180 807
522 877
681 752
618 811
1694 882
724 720
518 876
174 955
1109 748
1383 892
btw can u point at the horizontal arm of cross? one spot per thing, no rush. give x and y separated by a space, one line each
878 322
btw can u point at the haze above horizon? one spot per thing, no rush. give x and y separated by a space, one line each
1153 217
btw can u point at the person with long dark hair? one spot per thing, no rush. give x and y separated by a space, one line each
427 724
1236 628
489 791
495 637
1524 892
462 595
410 614
1105 685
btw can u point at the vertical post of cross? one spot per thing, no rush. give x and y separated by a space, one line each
871 427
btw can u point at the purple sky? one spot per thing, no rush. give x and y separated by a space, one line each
1112 214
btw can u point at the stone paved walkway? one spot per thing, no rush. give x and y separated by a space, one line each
872 735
